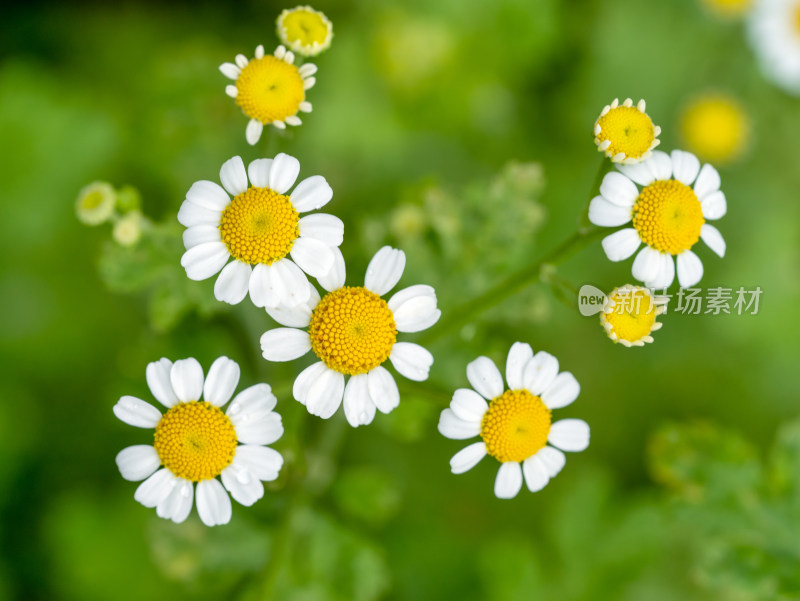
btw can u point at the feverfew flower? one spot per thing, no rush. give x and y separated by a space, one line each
629 315
259 229
270 89
625 133
775 36
305 30
353 331
195 442
95 204
715 127
668 215
515 425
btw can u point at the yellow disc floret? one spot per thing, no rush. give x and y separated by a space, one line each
195 441
625 133
352 330
516 426
629 316
715 128
305 30
668 216
259 226
269 89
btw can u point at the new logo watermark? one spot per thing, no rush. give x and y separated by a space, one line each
591 300
689 301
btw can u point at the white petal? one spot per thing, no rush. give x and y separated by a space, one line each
282 283
293 120
411 360
468 405
312 193
602 212
305 379
335 278
223 376
563 391
213 503
358 406
383 389
536 476
325 394
204 260
178 503
253 131
690 269
714 205
258 172
666 272
569 435
414 308
284 344
540 372
230 71
553 460
157 374
307 69
298 316
308 82
233 282
619 190
241 61
685 166
199 234
518 358
135 412
646 264
323 227
258 427
707 182
508 481
262 462
259 51
468 457
660 165
191 214
186 376
233 176
312 256
713 239
243 486
622 244
138 462
283 173
153 490
638 172
452 426
252 403
208 195
485 378
280 51
232 91
385 270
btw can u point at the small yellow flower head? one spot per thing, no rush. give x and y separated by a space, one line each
128 229
95 204
305 30
625 133
728 9
629 315
715 127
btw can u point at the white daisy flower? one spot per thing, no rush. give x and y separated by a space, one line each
195 442
260 228
305 30
515 425
353 331
95 204
669 215
270 89
629 315
625 133
774 27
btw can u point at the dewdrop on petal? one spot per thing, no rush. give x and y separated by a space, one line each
95 204
305 30
629 315
625 133
128 229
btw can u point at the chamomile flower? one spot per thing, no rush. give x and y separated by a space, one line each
715 127
353 331
195 442
259 229
270 89
625 133
95 204
305 30
629 315
669 216
515 425
775 36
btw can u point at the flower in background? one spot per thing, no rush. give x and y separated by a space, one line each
629 315
270 89
516 423
668 216
715 128
775 36
625 133
128 229
305 30
196 442
353 331
728 9
259 229
95 204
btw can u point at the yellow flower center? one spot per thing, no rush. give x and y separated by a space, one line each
633 314
195 441
352 330
668 216
515 426
628 129
269 89
715 128
259 226
92 200
305 27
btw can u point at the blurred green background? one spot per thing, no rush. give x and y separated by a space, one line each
461 132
